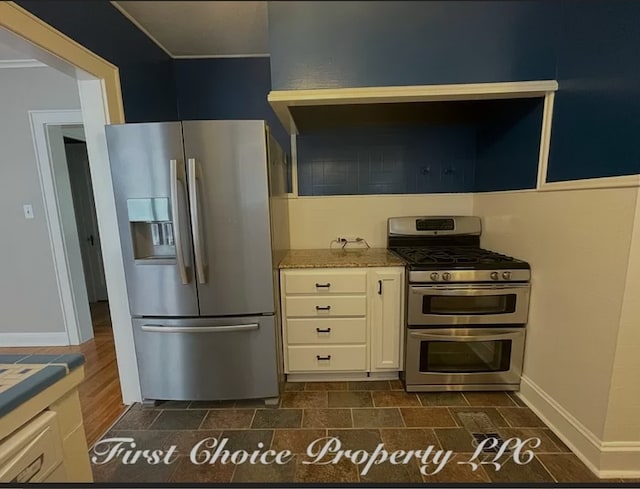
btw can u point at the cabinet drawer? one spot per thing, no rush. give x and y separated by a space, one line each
326 331
326 358
326 306
325 282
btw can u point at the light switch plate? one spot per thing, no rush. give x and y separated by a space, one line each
28 211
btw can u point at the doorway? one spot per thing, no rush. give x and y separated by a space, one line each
77 159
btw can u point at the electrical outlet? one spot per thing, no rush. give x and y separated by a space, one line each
344 238
28 211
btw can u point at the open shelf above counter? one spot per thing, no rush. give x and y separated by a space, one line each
392 102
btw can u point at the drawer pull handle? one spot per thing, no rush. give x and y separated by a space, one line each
328 357
379 287
327 330
324 286
323 308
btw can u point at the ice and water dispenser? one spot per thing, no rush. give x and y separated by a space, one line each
151 230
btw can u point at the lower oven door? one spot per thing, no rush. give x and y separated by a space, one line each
464 304
456 359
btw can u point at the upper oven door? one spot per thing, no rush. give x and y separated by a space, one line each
468 304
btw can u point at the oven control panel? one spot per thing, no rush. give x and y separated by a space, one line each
425 276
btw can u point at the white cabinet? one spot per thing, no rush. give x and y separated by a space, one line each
342 320
386 318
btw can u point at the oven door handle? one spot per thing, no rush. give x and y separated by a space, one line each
463 338
468 291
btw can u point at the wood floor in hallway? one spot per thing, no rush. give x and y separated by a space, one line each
100 396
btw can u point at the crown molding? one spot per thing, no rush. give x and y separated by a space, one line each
21 63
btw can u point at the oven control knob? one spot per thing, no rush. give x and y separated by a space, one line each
506 275
434 276
446 276
494 276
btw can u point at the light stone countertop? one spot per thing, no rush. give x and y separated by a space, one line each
337 257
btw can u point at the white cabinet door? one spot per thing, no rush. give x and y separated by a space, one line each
386 286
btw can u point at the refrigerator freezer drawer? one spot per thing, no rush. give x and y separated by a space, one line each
207 358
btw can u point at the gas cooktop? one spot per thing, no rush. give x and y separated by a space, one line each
457 258
448 249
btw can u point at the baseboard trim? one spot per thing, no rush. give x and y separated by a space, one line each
344 376
605 459
34 339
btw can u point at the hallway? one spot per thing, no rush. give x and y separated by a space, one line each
100 396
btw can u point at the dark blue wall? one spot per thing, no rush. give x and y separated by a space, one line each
596 121
227 88
146 71
355 44
386 160
589 46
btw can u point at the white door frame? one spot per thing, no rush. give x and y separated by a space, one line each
77 319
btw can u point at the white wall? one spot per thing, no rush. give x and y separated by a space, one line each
578 244
315 221
29 301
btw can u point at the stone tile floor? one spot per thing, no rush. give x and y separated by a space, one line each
361 415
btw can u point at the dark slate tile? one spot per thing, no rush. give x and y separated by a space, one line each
442 399
547 444
408 439
396 385
456 439
372 385
327 418
326 386
141 472
511 472
293 386
179 420
376 418
342 472
427 417
252 404
516 399
304 400
394 399
211 404
521 418
357 439
557 441
186 471
220 419
492 413
173 404
489 399
350 399
246 439
567 467
277 418
137 419
296 440
265 473
387 472
454 472
185 440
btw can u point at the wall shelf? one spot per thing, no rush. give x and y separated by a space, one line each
282 101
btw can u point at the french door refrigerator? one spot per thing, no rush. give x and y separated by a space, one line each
201 208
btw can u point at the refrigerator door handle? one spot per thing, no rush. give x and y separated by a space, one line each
177 176
152 328
194 176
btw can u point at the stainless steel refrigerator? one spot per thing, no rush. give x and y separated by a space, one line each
203 221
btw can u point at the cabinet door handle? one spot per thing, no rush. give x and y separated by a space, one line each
326 330
379 287
323 308
324 286
328 357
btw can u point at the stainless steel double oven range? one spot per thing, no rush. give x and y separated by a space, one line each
466 309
